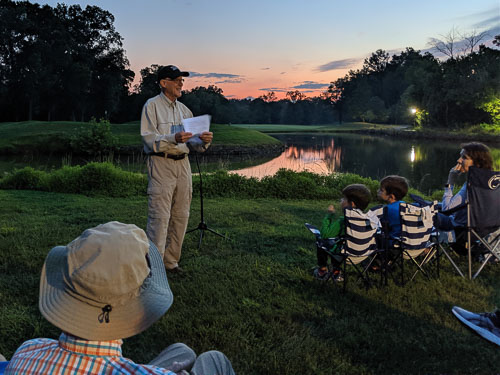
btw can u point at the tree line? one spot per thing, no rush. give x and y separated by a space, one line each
60 63
68 63
461 91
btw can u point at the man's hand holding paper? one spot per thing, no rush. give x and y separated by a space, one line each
206 137
200 127
182 137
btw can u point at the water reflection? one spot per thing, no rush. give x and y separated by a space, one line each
425 163
324 160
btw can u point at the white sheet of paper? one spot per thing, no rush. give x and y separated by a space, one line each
197 125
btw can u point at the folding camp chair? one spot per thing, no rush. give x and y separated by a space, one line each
442 250
377 219
416 240
436 236
325 245
358 247
483 215
483 218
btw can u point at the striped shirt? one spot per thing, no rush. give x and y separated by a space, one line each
71 355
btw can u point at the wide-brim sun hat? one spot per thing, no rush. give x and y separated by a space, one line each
109 283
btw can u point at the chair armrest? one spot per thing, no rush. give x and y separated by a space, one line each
454 209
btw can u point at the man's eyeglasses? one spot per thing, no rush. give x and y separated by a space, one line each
177 80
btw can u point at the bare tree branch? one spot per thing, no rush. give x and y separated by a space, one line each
447 45
472 39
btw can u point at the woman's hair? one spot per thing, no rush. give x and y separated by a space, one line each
479 153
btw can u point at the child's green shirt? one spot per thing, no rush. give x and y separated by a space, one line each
331 227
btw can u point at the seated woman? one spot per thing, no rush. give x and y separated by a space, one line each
472 154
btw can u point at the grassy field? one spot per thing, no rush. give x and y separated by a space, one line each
275 128
486 132
50 135
252 296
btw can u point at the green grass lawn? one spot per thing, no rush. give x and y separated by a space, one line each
29 135
276 128
252 296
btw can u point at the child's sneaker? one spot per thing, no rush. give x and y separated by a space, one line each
321 273
337 276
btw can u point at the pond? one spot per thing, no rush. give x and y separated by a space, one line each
424 162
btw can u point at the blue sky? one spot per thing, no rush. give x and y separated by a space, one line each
250 47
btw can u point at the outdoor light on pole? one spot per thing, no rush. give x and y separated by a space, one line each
413 111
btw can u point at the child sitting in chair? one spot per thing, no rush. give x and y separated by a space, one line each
354 196
392 190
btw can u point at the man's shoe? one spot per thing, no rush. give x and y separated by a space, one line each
485 324
178 270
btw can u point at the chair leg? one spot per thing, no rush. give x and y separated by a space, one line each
492 252
385 266
424 261
344 287
451 261
391 266
364 272
361 271
485 261
402 269
438 261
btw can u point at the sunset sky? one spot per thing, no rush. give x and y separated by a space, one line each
248 48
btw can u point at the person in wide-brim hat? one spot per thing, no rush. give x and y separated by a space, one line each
108 284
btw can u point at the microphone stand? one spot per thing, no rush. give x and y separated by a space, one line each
202 226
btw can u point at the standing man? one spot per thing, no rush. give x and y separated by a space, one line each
169 172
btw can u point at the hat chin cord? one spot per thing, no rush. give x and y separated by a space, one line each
104 316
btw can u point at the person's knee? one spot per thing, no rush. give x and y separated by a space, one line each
179 346
214 362
176 357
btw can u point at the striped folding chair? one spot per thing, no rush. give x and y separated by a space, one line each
359 248
416 243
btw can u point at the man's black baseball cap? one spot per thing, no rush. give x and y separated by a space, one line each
171 72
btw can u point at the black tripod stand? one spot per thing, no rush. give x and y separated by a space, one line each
202 226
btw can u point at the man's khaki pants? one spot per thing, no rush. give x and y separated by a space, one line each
169 192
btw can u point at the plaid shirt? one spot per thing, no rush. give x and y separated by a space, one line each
71 355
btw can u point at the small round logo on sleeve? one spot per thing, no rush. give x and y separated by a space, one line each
494 182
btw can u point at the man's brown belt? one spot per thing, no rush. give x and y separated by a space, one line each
170 156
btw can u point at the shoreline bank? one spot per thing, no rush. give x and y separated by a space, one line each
412 134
